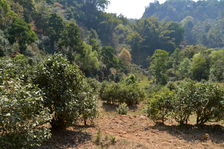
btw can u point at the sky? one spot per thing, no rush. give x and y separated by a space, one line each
133 9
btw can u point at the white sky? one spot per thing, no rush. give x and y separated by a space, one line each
129 8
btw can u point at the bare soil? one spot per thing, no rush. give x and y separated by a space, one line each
136 131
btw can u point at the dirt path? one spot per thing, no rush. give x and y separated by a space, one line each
137 131
140 132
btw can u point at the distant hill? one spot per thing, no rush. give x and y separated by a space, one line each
176 10
202 20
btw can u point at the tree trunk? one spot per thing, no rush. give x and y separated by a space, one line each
57 124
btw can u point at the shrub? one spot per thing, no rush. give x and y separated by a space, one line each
122 92
203 99
108 92
209 102
88 104
185 98
122 109
94 84
17 67
67 94
4 44
98 137
22 116
131 79
104 141
130 94
184 101
160 105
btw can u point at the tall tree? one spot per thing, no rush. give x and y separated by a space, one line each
71 42
19 31
54 30
158 66
200 67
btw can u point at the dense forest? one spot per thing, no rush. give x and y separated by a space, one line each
59 58
201 20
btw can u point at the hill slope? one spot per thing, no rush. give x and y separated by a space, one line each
202 20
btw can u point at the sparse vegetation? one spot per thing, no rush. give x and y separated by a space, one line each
122 109
104 141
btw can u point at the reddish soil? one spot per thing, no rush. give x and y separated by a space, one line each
137 131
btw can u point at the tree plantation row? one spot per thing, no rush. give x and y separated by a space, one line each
54 94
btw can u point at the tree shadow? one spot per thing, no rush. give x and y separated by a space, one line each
109 107
66 139
192 133
133 107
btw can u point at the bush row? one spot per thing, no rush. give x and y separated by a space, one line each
126 91
180 100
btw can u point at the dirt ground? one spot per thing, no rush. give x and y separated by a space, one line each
136 131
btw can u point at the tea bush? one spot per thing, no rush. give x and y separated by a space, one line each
23 117
160 105
123 92
184 101
185 98
122 109
67 94
209 102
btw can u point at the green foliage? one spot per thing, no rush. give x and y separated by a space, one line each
54 29
160 105
151 35
209 102
158 66
71 42
6 14
184 101
98 137
109 57
4 45
131 79
202 20
88 60
108 92
196 62
122 109
122 92
217 62
94 84
67 94
190 50
87 106
200 67
184 69
23 117
19 31
17 67
203 99
28 8
185 98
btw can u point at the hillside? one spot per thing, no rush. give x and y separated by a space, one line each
202 20
74 76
